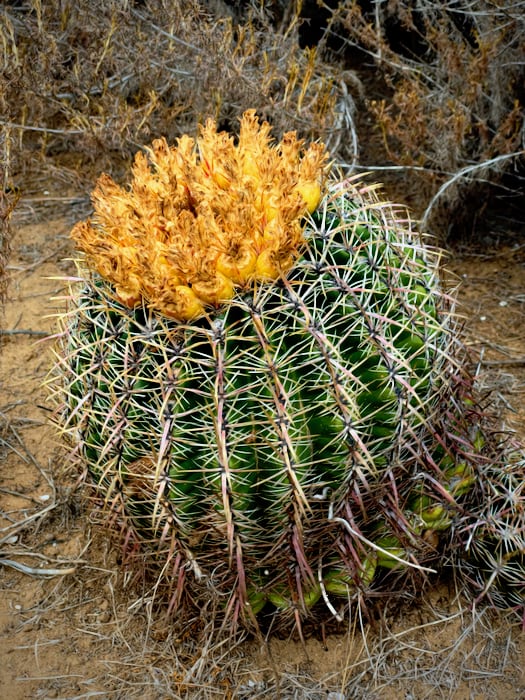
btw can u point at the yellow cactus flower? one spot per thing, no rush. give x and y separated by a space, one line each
204 218
238 263
311 194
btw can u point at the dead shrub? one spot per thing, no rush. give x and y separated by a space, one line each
8 199
88 83
451 113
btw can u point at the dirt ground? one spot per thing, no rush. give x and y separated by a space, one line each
71 627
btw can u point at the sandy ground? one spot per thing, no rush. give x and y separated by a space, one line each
72 626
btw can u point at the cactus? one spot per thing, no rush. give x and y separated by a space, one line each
280 414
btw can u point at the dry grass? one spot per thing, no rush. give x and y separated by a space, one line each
436 649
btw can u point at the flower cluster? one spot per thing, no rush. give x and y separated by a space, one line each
204 218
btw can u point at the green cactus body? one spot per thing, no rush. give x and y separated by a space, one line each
233 446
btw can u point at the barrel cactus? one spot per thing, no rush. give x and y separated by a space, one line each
262 376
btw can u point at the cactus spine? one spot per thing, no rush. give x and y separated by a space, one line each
288 436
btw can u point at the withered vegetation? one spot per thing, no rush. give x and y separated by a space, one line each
445 98
429 96
97 80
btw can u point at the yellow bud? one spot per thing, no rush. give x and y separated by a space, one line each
249 165
239 267
217 174
339 582
311 193
267 204
266 267
183 305
214 290
221 179
433 513
270 212
273 234
368 569
460 487
129 298
386 559
271 205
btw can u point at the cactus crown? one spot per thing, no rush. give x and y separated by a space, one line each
203 218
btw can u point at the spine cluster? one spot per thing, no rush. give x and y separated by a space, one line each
293 445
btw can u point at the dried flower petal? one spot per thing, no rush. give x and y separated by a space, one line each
204 218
